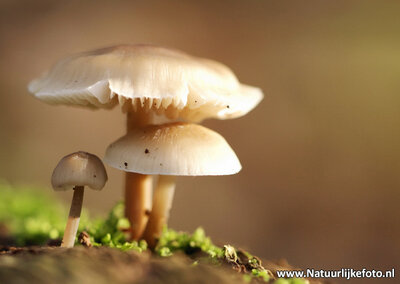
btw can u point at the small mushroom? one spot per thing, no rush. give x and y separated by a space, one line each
174 149
75 171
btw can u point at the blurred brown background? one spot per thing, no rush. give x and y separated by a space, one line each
320 182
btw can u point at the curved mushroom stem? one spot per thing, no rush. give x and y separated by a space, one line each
73 218
138 187
162 203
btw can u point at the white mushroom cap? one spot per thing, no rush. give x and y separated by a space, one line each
178 149
79 169
165 81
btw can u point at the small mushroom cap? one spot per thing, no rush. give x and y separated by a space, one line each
79 169
164 81
178 149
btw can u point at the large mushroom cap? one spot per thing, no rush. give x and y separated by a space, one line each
165 81
178 149
79 169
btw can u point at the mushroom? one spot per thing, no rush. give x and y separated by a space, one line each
169 150
146 80
75 171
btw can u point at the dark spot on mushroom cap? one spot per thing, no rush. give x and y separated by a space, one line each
125 164
227 106
94 176
160 164
146 151
195 101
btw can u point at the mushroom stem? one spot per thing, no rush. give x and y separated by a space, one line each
73 218
138 187
162 203
137 202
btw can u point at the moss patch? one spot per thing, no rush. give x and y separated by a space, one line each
33 218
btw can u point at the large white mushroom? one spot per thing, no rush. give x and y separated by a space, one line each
146 81
168 150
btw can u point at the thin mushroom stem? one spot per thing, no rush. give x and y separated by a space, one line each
138 187
73 219
162 203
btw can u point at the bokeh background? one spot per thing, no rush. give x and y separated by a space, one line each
320 184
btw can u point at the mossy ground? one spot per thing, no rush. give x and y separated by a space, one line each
31 218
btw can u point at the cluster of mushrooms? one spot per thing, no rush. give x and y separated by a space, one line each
164 93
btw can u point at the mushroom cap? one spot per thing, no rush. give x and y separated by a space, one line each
79 169
178 149
162 80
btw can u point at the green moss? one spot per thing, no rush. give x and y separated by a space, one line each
33 218
110 231
172 241
263 274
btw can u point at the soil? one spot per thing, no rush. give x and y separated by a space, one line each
48 265
86 264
